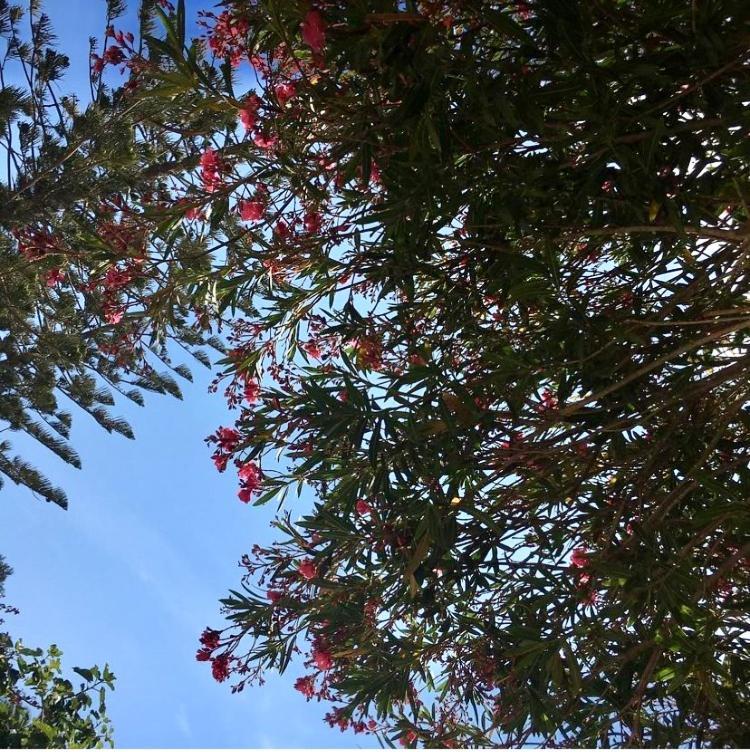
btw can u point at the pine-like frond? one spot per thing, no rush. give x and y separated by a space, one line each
23 474
60 447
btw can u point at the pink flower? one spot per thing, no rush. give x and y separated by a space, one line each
579 558
285 92
250 478
314 31
265 142
252 391
308 569
227 438
248 119
282 230
203 654
362 507
312 349
114 314
220 667
306 685
210 168
410 738
312 221
249 113
322 659
54 277
249 473
369 352
251 211
210 638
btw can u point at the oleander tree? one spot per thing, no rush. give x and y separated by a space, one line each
486 270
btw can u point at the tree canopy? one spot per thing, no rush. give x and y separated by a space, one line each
485 268
77 267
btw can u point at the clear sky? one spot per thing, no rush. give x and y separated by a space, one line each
132 572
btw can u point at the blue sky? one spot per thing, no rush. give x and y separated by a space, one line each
132 572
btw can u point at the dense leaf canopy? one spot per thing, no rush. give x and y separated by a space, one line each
486 264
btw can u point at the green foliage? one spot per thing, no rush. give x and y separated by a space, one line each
488 262
5 572
41 709
516 243
76 276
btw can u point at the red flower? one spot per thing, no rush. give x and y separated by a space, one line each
210 638
248 119
590 597
54 277
549 402
228 37
282 230
227 438
251 211
322 659
274 595
249 113
210 168
369 352
285 92
308 569
306 685
314 31
204 654
250 474
113 314
362 507
114 55
252 391
579 558
410 738
312 221
312 349
265 142
116 279
220 667
194 213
